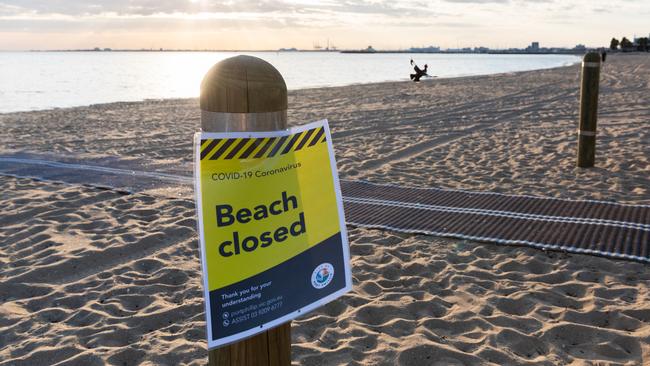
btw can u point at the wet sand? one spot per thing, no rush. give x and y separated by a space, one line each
92 276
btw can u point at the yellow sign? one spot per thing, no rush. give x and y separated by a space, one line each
273 240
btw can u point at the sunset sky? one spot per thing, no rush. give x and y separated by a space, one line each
271 24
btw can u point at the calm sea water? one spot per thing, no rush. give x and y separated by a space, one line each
42 80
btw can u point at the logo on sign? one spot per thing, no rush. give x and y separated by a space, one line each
322 275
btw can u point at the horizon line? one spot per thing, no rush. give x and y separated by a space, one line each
292 49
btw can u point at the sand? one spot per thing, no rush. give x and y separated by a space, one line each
92 276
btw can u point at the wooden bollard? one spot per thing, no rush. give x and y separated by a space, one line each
588 110
245 93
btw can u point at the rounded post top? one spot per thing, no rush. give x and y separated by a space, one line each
592 57
243 84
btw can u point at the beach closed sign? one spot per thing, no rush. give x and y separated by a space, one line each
272 230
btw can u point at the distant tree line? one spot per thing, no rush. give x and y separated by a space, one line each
625 45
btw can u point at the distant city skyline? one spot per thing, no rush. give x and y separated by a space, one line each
274 24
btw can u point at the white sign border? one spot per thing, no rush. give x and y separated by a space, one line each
199 212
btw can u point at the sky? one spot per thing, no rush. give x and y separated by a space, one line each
347 24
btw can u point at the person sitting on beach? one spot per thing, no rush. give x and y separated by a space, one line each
418 72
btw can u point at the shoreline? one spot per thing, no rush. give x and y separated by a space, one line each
97 276
378 83
424 125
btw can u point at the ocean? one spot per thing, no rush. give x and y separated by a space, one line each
44 80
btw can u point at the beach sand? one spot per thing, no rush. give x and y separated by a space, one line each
92 276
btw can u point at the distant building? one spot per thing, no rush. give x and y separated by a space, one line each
580 47
534 47
430 49
369 49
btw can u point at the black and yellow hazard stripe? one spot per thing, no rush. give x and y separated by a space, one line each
261 147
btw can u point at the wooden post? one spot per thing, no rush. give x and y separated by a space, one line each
245 93
588 110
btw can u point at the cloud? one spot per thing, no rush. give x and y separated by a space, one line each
6 9
459 25
129 24
74 15
352 23
478 1
144 7
151 7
